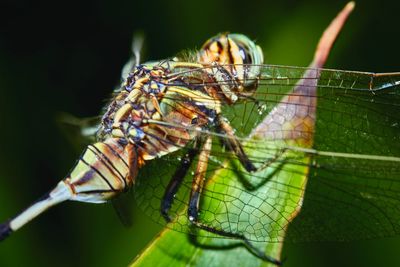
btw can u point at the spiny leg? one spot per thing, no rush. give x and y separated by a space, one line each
236 147
176 182
198 180
193 209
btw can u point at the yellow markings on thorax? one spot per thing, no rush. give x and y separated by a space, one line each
136 92
122 112
197 96
125 110
185 65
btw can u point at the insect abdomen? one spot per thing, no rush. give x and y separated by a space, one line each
102 171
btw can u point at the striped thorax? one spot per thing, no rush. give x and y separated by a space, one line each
157 114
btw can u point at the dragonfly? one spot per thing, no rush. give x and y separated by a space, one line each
219 144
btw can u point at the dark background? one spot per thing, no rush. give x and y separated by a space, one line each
66 57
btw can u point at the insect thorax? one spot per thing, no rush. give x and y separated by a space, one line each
162 106
156 113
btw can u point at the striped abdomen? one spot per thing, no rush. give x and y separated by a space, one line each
104 170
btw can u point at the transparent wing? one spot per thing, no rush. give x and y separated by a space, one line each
327 145
136 54
79 131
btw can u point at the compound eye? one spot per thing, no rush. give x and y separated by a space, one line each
245 55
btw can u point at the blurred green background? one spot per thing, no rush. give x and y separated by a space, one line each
66 57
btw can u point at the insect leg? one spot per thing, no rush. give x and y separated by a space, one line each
176 182
254 250
193 209
198 180
236 147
